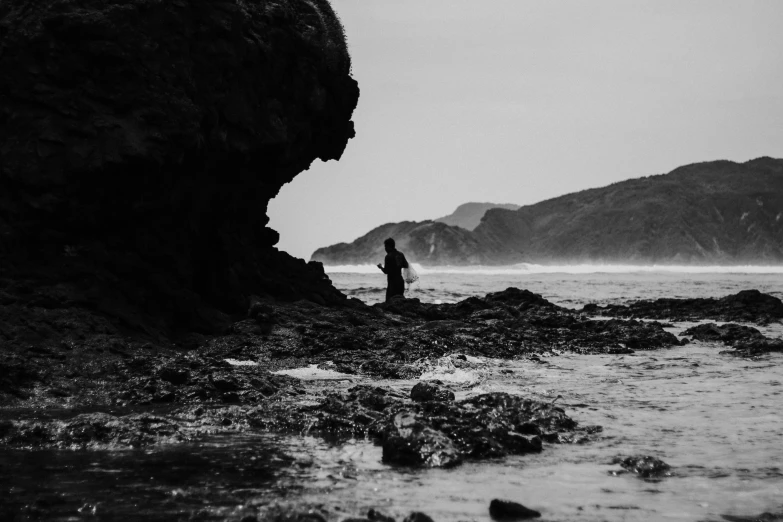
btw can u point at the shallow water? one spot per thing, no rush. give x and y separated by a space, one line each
716 419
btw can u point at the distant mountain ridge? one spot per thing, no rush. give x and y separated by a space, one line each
468 215
717 212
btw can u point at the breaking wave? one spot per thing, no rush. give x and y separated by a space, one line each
526 268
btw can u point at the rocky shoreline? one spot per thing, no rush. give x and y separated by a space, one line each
164 392
87 363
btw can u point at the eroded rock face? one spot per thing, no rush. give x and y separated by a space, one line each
141 140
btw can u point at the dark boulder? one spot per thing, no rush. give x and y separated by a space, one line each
645 467
174 375
508 510
754 347
409 441
727 333
418 516
377 516
424 391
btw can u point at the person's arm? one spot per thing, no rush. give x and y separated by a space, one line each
381 267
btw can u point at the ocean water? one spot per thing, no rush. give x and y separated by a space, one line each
571 286
716 419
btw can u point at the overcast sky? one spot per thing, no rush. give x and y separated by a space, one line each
517 101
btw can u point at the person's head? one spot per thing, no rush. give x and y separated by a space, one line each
389 244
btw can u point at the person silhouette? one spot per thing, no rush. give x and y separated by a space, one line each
392 266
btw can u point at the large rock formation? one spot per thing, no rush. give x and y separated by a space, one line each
141 140
716 212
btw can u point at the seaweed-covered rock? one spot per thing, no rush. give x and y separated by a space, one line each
645 467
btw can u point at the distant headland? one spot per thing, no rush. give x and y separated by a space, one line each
717 212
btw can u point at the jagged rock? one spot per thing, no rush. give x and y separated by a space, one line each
431 433
508 510
409 441
424 391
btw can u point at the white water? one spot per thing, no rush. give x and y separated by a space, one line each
527 268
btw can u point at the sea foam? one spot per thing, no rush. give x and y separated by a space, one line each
527 268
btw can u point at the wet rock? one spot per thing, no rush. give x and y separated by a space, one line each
424 391
224 382
174 375
387 369
508 510
417 516
727 333
764 517
408 441
755 347
377 516
746 306
645 466
430 433
95 430
520 299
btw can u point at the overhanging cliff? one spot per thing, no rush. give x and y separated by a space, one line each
141 140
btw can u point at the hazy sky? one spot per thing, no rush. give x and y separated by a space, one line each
517 101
